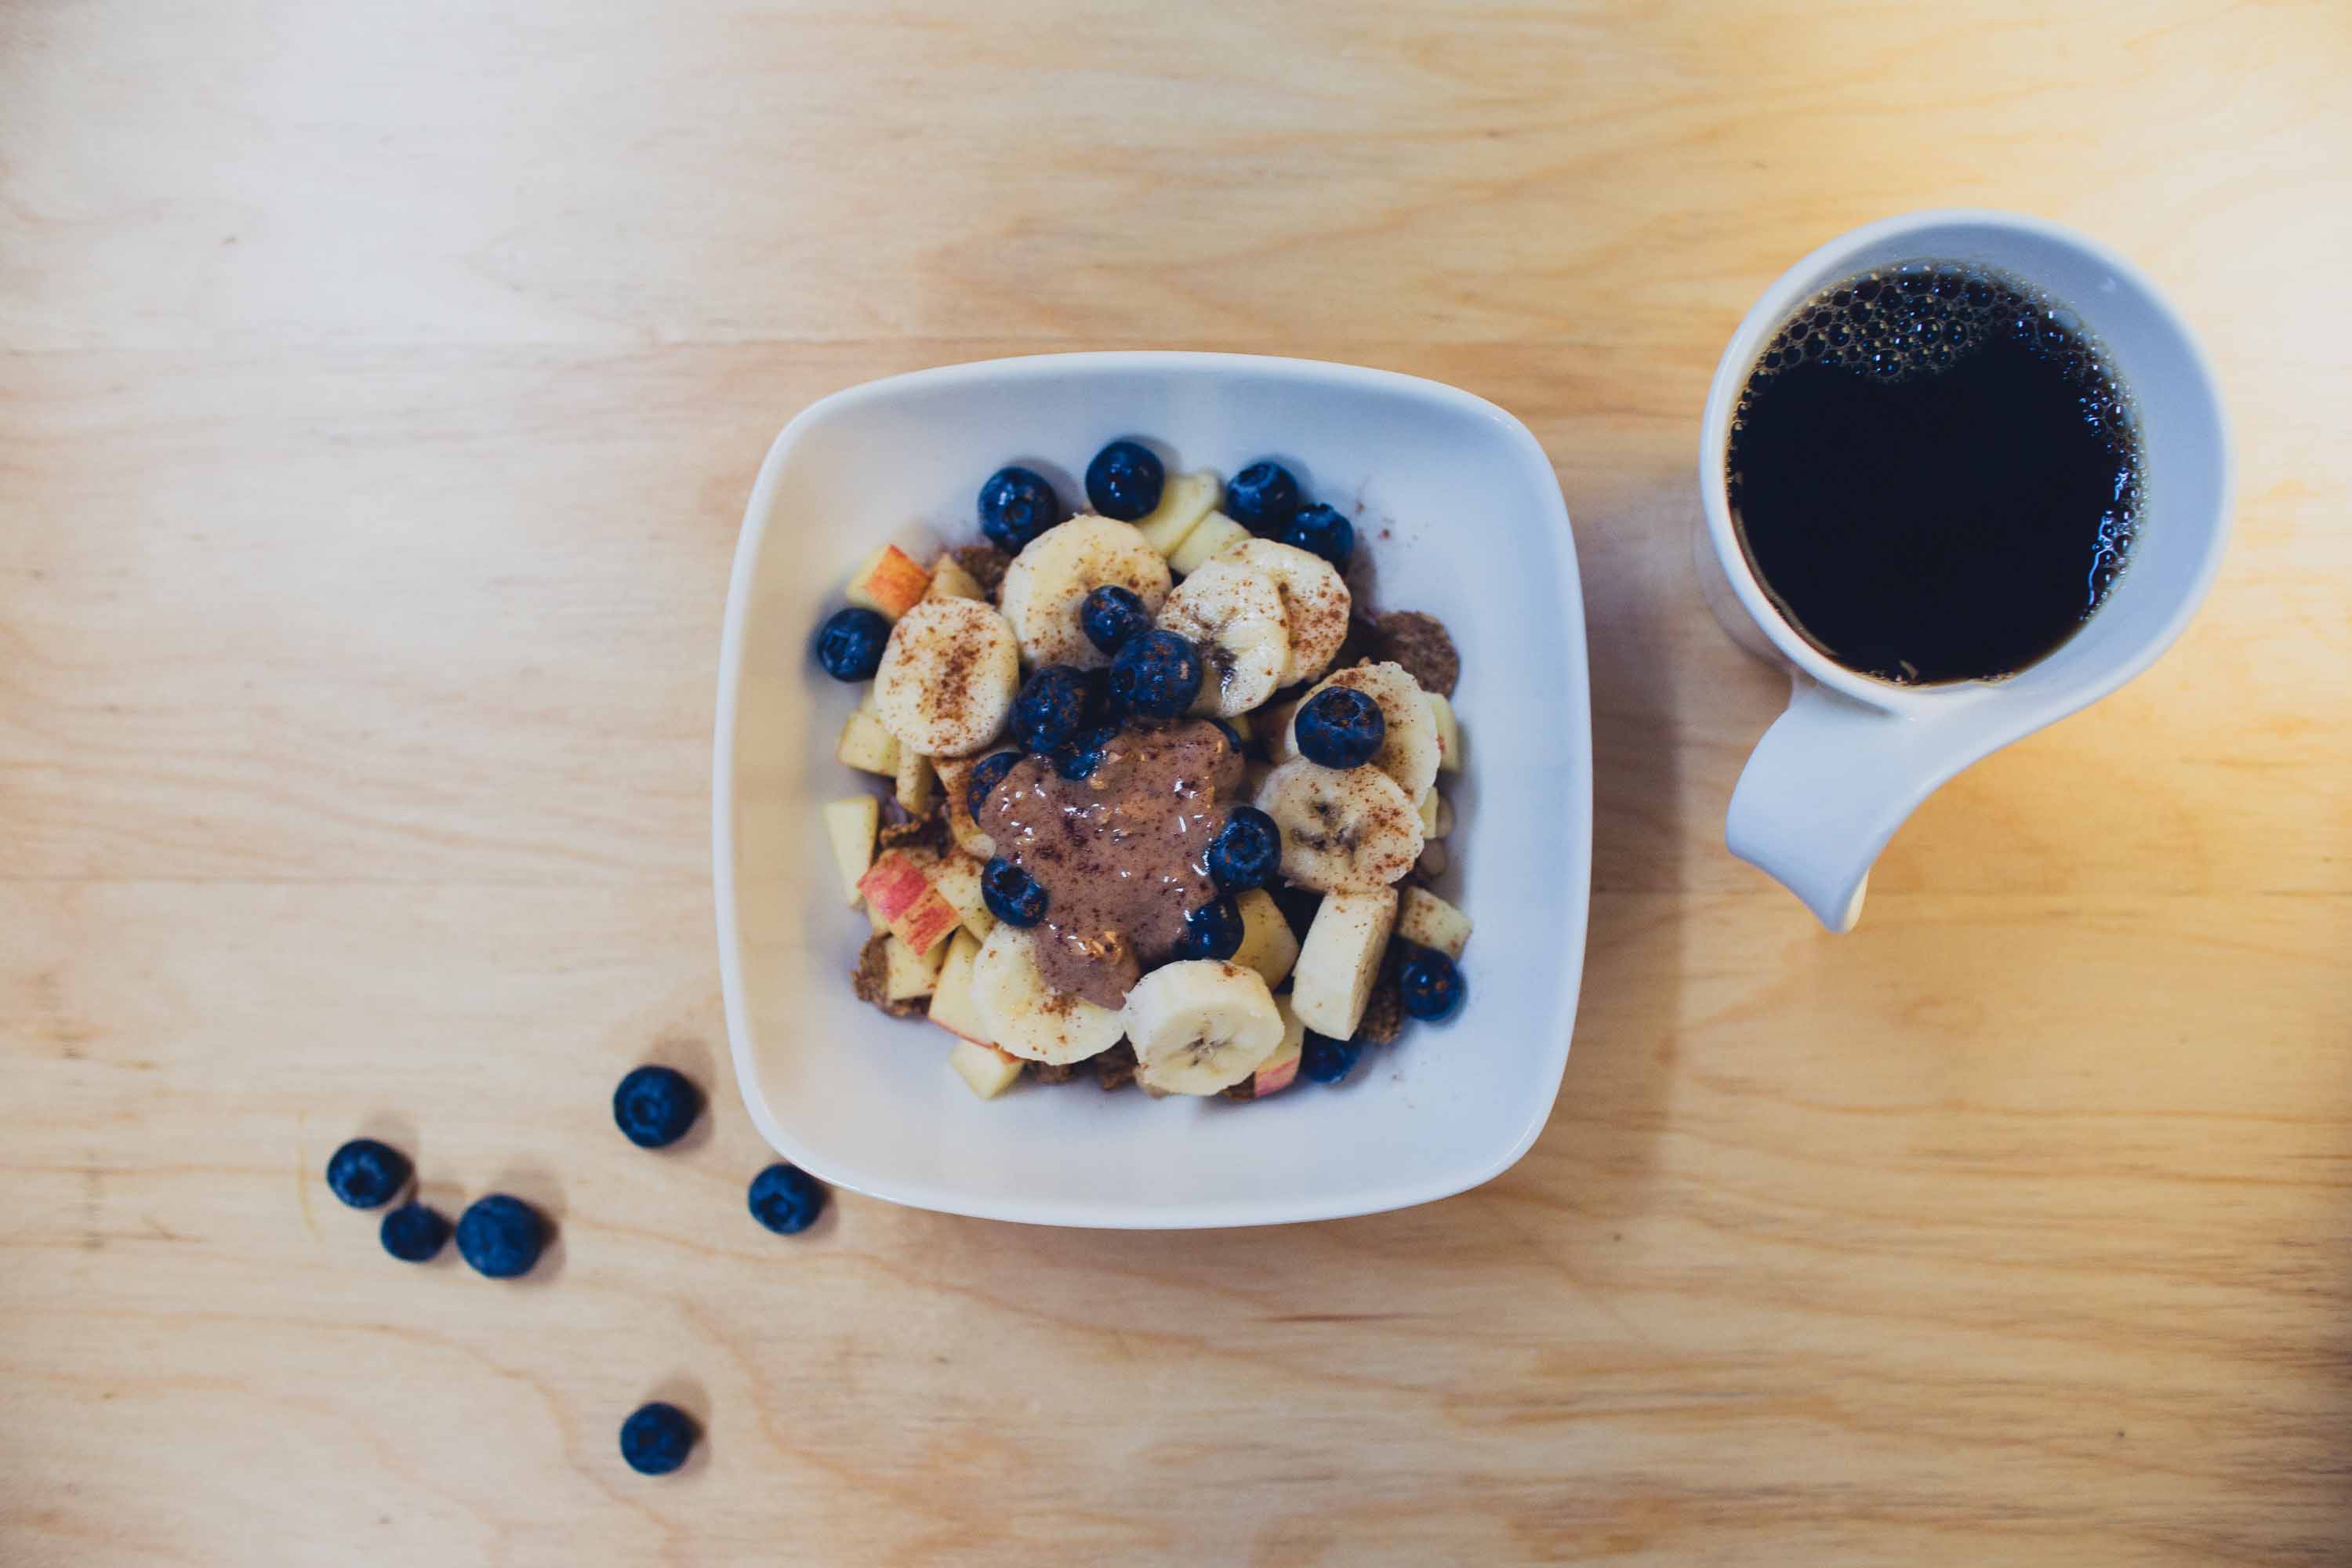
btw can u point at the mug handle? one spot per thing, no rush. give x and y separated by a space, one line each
1828 786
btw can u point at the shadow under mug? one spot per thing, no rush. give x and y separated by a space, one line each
1854 756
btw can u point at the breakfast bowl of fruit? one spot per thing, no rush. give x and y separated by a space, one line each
1116 756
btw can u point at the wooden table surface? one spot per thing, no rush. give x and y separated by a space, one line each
382 384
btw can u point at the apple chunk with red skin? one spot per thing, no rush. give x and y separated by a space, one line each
903 895
889 582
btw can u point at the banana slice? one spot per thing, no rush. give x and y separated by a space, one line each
1315 603
1052 576
1025 1016
1201 1025
1342 831
1410 753
1340 959
1234 615
948 677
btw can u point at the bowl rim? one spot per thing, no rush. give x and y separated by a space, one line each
1271 1209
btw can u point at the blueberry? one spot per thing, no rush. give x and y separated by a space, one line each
1080 756
1016 505
1340 727
986 778
1298 905
786 1199
501 1236
1432 984
1232 736
850 646
365 1174
1124 480
1323 531
1327 1060
1110 614
656 1439
655 1106
1246 851
1050 709
1099 708
1212 930
1012 894
1156 675
1262 498
414 1234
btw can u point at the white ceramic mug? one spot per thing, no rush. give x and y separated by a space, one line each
1853 756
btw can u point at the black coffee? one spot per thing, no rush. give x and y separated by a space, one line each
1934 473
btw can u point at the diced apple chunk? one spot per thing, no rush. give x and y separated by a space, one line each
950 581
867 746
1429 803
957 876
888 582
1280 1071
1428 920
917 781
908 974
951 1003
987 1070
1184 501
1267 945
1215 532
850 825
899 890
1449 735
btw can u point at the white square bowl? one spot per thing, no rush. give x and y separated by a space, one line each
1461 517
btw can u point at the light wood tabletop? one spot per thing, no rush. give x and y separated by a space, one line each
382 387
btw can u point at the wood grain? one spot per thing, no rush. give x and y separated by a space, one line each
379 390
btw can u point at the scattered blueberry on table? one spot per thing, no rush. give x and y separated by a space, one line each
501 1236
786 1199
367 1174
1012 894
1124 480
414 1232
1246 851
1431 983
1050 708
1321 530
1016 505
1340 727
1262 498
655 1106
1327 1060
1156 675
657 1438
1110 614
1212 930
985 777
850 646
